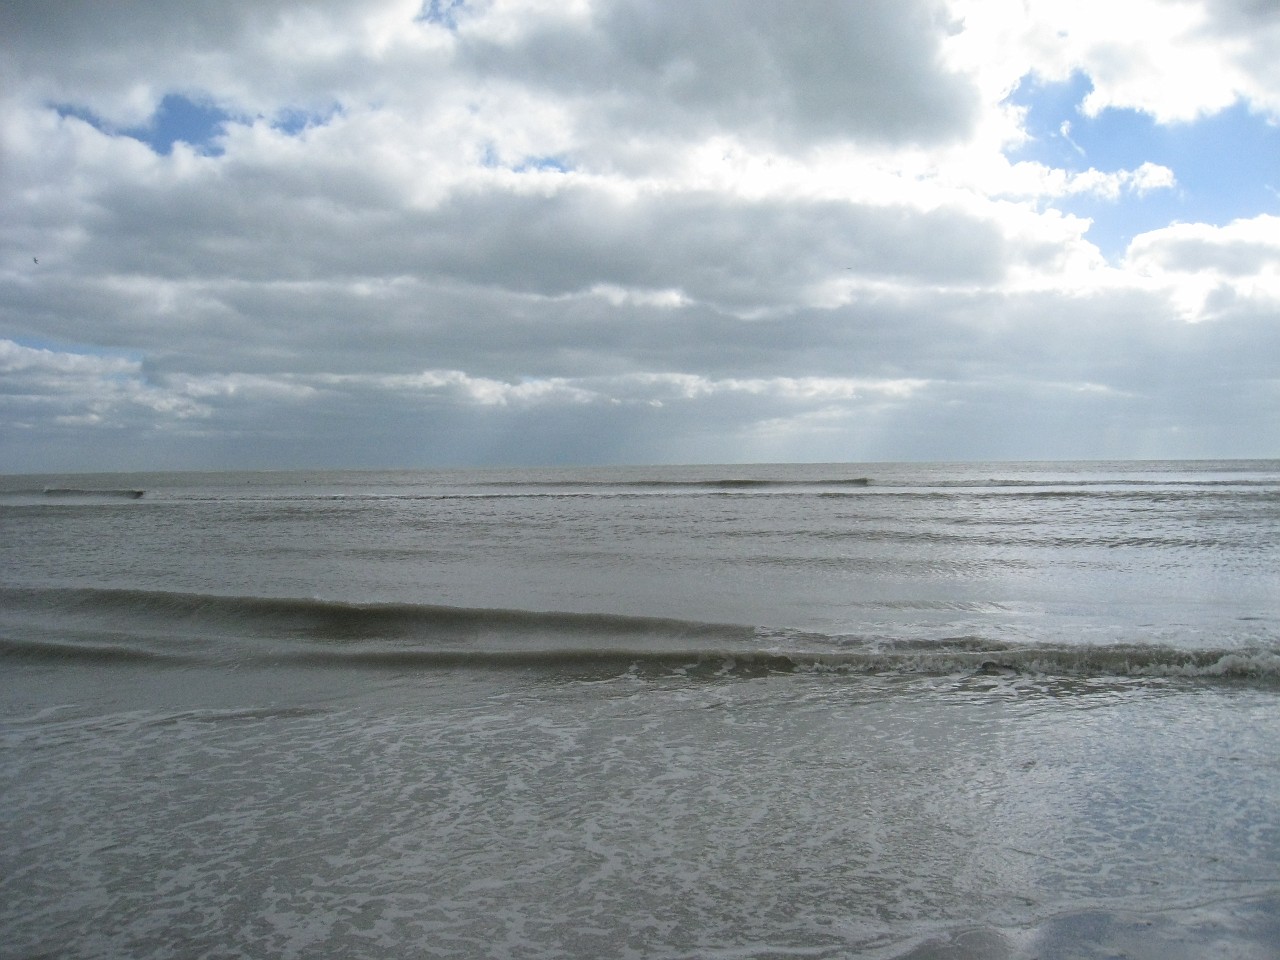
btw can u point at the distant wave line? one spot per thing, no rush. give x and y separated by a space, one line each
833 487
128 494
723 483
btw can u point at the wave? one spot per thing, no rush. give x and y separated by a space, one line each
1114 482
38 495
105 626
334 619
94 493
1254 665
939 489
723 483
704 663
46 651
1048 483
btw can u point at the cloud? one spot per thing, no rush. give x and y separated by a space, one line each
1243 248
1212 271
832 70
244 55
1031 179
1174 59
64 388
612 229
1250 31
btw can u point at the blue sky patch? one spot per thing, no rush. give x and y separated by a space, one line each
1227 165
180 119
88 116
557 163
294 121
176 119
491 158
443 12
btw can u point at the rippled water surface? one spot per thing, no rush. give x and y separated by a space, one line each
902 711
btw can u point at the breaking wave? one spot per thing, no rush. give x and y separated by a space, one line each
94 493
168 628
29 496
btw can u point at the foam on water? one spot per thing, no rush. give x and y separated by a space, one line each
767 816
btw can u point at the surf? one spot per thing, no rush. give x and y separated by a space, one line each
110 626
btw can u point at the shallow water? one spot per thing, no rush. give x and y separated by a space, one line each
495 715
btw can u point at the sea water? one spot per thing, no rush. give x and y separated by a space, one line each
877 710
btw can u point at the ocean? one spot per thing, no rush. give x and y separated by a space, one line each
909 711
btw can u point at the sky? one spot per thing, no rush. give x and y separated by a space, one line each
387 233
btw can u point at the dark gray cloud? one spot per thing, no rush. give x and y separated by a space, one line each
827 70
713 247
121 61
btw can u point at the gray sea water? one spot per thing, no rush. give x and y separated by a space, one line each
875 710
